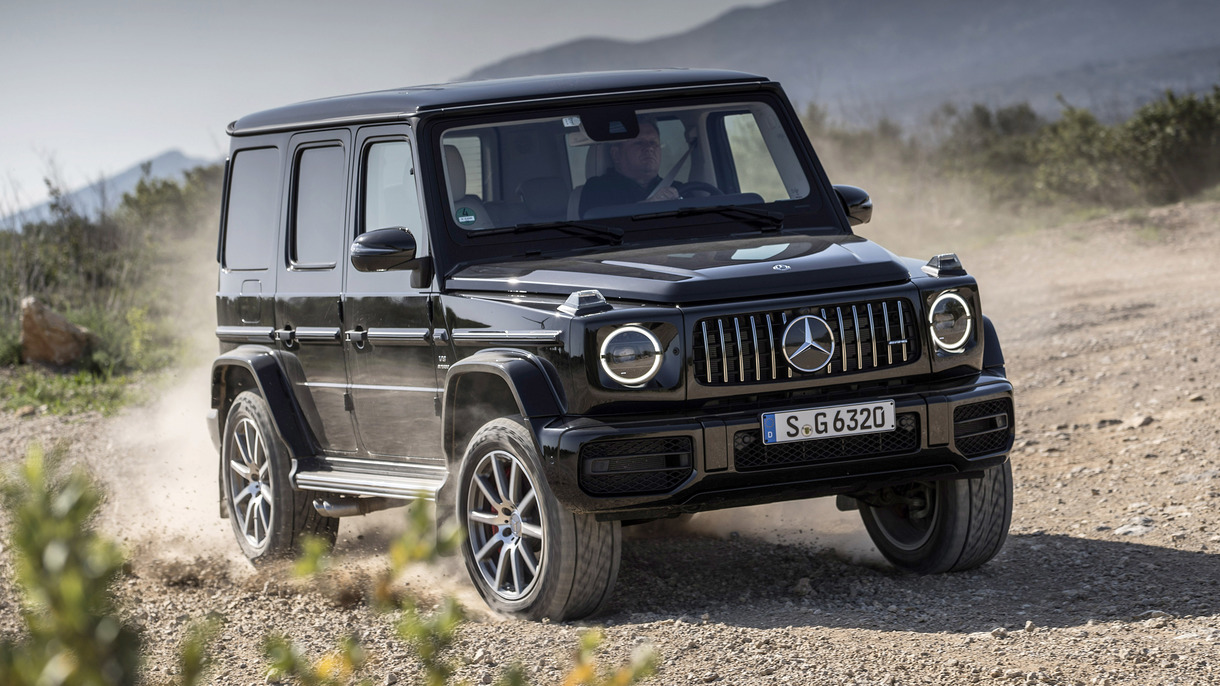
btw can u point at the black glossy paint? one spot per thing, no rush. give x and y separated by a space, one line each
366 366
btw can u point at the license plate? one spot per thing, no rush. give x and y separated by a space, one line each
828 422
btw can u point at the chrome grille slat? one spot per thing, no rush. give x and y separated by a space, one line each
896 326
771 342
855 318
741 352
889 339
842 337
724 352
830 364
902 328
754 337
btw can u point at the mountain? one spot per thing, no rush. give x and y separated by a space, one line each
871 58
108 192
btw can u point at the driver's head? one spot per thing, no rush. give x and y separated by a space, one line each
639 159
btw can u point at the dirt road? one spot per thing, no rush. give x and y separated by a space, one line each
1111 573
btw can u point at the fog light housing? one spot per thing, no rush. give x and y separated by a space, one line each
631 355
950 322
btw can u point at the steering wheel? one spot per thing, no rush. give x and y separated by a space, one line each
700 188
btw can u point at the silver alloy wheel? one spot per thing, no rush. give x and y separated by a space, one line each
250 483
908 529
505 525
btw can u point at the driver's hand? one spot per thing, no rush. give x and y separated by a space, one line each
669 193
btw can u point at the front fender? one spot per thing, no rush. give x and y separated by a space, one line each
993 354
263 369
533 382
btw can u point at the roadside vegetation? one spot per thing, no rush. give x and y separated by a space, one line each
76 633
985 171
111 274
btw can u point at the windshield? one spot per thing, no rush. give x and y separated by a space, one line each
597 163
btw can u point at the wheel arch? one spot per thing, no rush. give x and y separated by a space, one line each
993 354
497 383
254 368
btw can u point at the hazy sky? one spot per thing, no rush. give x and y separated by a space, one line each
99 86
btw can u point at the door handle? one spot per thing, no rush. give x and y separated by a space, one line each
357 337
285 336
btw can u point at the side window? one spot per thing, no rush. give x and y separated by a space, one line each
389 188
319 192
470 148
756 170
252 220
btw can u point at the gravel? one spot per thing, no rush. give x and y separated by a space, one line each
1110 573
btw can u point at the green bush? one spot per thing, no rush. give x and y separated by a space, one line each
65 571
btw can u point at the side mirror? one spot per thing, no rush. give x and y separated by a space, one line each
385 250
856 203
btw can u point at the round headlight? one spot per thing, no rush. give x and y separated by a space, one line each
949 321
631 355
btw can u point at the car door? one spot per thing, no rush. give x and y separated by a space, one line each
388 315
309 285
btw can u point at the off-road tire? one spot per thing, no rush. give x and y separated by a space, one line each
250 436
579 556
967 527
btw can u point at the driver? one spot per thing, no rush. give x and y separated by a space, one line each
633 175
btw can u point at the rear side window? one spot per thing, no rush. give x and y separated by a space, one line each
319 194
389 188
252 221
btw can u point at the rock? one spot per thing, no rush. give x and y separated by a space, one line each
1136 526
1029 627
803 586
999 632
1196 398
27 411
390 679
1108 422
48 338
1140 421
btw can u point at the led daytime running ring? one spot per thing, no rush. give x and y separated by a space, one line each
656 356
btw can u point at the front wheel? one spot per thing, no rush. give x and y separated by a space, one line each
526 554
269 517
942 526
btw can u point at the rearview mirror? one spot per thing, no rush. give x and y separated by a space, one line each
856 203
384 250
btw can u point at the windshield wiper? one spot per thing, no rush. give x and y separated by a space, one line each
611 234
749 215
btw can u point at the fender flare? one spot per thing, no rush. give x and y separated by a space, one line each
993 354
272 381
533 382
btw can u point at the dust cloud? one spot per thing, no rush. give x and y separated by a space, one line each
814 523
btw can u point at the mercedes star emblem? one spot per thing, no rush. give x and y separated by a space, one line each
808 343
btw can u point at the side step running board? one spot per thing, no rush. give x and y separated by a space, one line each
380 485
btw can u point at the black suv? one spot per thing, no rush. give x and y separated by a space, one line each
562 304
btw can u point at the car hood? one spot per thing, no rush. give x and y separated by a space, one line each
697 272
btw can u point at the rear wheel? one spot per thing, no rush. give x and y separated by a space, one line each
269 517
942 526
526 554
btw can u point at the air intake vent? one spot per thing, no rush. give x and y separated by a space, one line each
636 467
748 348
982 428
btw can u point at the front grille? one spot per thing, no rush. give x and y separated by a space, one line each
982 428
635 467
748 348
749 452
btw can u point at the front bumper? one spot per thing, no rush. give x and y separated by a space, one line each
655 467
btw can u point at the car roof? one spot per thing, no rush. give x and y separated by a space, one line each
401 103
